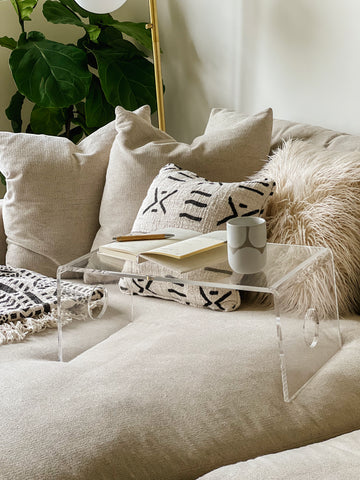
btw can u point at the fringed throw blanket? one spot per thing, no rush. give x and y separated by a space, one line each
28 302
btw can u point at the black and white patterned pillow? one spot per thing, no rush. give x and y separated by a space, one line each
179 198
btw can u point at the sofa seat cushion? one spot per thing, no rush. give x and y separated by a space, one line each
173 395
334 459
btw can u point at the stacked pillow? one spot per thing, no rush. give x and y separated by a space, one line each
225 155
140 150
179 198
55 188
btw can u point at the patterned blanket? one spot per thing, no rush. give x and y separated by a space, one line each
28 302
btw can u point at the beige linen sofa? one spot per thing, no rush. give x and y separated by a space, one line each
181 393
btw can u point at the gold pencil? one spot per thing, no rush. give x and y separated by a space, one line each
146 236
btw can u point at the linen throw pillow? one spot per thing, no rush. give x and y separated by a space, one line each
180 198
140 150
54 190
317 202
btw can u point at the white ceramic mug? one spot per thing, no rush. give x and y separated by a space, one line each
246 244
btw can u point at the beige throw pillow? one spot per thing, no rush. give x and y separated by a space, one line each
317 202
54 190
179 198
140 150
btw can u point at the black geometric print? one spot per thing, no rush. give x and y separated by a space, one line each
217 302
199 192
143 289
196 203
190 217
24 294
160 202
213 299
259 192
176 179
229 217
176 292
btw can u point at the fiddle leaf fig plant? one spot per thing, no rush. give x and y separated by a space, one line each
74 88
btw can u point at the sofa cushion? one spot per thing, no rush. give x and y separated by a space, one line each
323 137
54 190
140 150
174 394
179 198
317 202
337 458
222 118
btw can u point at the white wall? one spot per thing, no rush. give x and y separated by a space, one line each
299 56
302 57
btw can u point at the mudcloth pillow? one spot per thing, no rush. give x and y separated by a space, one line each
180 198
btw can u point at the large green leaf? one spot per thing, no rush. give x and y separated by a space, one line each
110 37
126 83
24 8
135 30
58 13
13 111
49 121
50 74
93 31
98 111
8 42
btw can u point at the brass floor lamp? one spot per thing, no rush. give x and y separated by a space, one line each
107 6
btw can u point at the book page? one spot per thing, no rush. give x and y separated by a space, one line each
191 246
130 250
193 262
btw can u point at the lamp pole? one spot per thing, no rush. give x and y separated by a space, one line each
154 26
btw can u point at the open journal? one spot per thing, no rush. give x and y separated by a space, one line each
187 250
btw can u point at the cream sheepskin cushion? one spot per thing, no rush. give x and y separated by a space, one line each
317 202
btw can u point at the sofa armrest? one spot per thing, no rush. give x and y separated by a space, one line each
3 244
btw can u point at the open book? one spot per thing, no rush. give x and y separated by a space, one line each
187 250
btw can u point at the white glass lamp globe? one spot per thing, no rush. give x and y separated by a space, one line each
100 6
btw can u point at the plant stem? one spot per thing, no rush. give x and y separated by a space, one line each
21 21
69 117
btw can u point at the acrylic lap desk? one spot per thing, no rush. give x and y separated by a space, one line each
298 284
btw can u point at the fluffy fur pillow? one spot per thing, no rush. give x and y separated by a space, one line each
317 202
